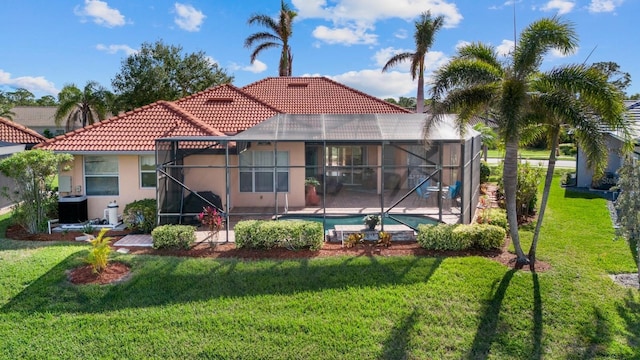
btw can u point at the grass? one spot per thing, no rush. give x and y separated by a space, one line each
530 154
334 308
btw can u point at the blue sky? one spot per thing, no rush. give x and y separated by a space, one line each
47 44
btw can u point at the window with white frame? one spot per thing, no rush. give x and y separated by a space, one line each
147 171
101 175
257 172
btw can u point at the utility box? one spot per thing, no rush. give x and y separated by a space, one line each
72 209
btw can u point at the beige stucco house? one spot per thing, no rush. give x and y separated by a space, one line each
221 141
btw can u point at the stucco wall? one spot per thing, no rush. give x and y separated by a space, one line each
584 175
128 183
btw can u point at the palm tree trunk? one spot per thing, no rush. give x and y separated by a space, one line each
510 180
545 197
420 95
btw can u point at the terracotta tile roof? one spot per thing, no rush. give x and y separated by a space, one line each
12 132
219 111
227 108
133 131
317 95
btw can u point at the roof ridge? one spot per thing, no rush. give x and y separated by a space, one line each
199 93
190 117
22 128
98 124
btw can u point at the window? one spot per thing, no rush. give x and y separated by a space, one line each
147 171
257 173
101 175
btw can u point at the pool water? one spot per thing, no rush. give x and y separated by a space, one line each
332 220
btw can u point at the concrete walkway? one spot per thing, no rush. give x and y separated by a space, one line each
145 240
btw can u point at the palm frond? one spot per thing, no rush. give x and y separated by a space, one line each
397 59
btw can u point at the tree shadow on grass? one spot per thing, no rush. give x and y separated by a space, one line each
630 313
396 346
488 328
165 280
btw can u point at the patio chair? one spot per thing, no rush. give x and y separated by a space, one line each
422 190
454 192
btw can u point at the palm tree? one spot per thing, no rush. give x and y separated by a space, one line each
426 29
281 31
475 82
5 111
598 105
86 106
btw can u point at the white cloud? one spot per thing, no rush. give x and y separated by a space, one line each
598 6
505 48
256 68
382 85
188 18
401 34
35 84
462 43
560 6
558 54
101 13
383 55
112 49
353 20
344 35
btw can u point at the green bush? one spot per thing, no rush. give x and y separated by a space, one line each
140 215
272 234
173 236
460 237
493 216
529 177
440 237
568 149
482 236
485 172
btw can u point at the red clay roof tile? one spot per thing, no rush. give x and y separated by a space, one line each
317 95
12 132
218 111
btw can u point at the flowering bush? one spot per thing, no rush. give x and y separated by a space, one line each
212 219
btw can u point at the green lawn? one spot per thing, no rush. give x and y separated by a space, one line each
336 308
531 154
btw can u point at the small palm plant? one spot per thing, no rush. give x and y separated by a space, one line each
99 254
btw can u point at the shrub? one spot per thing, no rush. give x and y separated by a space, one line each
568 149
482 236
493 216
140 215
529 177
353 240
271 234
485 172
440 237
460 237
99 254
173 236
489 236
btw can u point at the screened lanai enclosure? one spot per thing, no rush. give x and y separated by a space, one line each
329 168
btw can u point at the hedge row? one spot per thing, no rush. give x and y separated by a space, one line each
493 216
173 236
265 234
461 237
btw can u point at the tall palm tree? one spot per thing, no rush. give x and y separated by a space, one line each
426 29
281 31
598 105
475 82
5 111
85 106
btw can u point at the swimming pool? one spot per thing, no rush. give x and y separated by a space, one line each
332 220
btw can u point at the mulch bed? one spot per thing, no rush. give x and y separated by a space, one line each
116 271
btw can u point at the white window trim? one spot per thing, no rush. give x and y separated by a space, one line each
140 171
114 175
272 170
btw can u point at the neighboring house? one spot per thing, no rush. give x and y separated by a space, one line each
39 119
14 138
170 150
614 142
